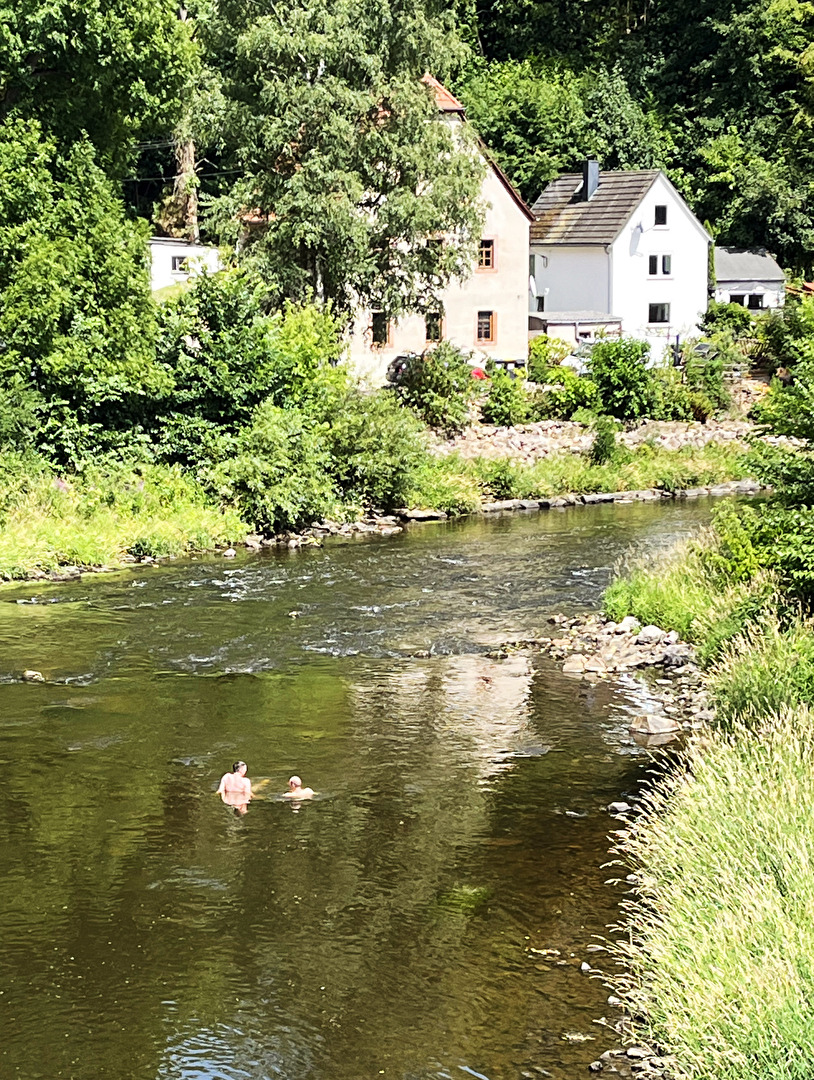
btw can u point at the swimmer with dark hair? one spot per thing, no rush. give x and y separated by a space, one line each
235 788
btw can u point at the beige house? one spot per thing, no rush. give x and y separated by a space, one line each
488 312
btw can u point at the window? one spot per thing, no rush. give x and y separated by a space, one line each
667 264
659 313
532 265
179 264
486 326
736 298
486 255
432 324
435 243
379 328
660 216
654 265
541 303
755 301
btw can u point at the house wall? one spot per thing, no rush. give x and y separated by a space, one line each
571 278
503 290
685 289
162 253
772 295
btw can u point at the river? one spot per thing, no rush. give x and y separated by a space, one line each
423 918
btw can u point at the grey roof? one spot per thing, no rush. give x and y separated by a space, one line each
746 268
562 217
567 317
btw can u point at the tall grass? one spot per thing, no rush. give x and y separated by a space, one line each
98 516
719 948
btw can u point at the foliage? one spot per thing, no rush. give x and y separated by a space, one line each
671 397
341 152
723 855
732 317
567 394
438 385
603 449
506 402
545 353
445 484
788 332
619 370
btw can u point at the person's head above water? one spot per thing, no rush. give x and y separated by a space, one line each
295 782
238 765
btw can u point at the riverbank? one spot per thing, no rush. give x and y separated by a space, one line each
57 528
716 976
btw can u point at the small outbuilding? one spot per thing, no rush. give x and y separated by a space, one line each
751 278
174 261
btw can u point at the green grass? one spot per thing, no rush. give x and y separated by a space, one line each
565 473
95 518
719 948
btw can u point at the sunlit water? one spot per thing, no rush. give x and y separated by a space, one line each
385 929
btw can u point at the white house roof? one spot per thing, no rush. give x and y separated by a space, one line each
746 270
568 318
563 217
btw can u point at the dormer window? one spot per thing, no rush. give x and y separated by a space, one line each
660 216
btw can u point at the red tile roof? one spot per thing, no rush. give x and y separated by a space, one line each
443 99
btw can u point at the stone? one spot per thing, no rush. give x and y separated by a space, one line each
424 515
502 504
529 504
637 1052
229 553
650 635
390 530
29 675
574 665
596 665
253 542
654 724
629 625
676 655
597 497
596 1066
619 807
585 968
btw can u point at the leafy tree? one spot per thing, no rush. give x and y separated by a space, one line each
110 70
439 386
619 370
346 166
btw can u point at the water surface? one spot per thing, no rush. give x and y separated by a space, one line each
389 927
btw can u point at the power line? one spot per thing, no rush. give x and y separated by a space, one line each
137 179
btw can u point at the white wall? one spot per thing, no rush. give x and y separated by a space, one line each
503 290
772 298
162 253
633 289
571 278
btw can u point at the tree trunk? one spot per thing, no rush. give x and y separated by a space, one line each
185 189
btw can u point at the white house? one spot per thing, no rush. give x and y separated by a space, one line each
620 244
488 312
174 261
750 278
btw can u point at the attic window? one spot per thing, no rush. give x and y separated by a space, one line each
660 216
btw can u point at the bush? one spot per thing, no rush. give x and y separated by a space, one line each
625 385
603 447
501 478
506 402
281 474
734 318
438 385
571 393
375 448
545 353
671 398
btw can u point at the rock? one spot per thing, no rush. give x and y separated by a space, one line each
529 504
294 543
65 573
654 724
629 625
574 665
29 675
585 968
390 530
597 497
502 504
650 635
596 1066
619 807
671 638
229 553
747 487
596 666
425 515
637 1052
676 655
253 542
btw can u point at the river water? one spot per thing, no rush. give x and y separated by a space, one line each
389 927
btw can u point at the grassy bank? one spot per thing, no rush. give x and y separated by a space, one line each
718 952
100 515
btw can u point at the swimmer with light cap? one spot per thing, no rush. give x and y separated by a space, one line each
297 791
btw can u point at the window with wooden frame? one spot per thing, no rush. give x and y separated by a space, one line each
487 327
379 329
432 327
486 255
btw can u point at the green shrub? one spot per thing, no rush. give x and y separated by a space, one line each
625 385
603 448
545 353
445 483
438 385
671 398
734 318
501 478
506 402
375 448
280 476
569 394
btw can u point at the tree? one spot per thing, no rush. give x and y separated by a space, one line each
109 69
347 169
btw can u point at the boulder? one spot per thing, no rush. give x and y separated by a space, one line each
654 724
424 515
574 665
650 635
229 553
29 675
629 625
